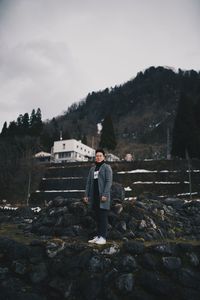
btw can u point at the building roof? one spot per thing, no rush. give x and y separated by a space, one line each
42 154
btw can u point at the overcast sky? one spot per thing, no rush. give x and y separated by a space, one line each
54 52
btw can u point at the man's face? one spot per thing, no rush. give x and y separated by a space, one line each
99 157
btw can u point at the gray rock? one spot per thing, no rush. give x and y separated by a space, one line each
110 294
164 249
117 208
44 230
157 285
25 212
4 270
58 211
184 247
48 221
149 261
111 250
141 204
142 225
125 283
121 226
115 234
111 275
174 202
189 294
96 264
77 229
132 224
12 249
129 235
128 263
20 267
152 223
189 278
77 208
134 247
117 192
64 286
53 248
171 263
91 287
194 260
59 221
39 273
58 201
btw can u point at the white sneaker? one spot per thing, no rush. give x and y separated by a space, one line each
93 240
100 241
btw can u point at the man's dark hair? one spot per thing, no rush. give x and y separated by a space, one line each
100 150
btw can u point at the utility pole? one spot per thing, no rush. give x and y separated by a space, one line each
61 135
29 186
168 144
93 142
189 172
30 165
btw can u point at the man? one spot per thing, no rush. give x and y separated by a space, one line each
97 195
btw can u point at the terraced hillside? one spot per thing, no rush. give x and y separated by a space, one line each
157 177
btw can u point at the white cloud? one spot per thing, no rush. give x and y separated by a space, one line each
38 74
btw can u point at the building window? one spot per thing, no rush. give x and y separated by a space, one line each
63 146
64 154
77 146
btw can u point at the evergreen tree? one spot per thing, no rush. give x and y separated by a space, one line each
4 130
84 139
184 129
46 137
25 124
197 125
20 121
108 139
12 129
36 124
79 132
32 118
19 124
65 133
55 131
38 115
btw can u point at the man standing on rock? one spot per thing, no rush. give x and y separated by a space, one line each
97 195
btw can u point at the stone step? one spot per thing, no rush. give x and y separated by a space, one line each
70 183
67 171
160 189
165 177
82 169
164 190
173 176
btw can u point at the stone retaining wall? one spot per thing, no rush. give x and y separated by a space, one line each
161 178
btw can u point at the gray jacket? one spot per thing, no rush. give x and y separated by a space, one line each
104 183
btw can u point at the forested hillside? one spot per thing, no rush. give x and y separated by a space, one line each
158 104
142 111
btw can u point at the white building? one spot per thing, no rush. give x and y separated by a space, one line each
42 156
71 150
112 157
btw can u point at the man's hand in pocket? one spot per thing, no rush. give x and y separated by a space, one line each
103 198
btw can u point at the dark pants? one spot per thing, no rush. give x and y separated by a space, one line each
102 221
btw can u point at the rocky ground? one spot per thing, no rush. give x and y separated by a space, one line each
153 252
